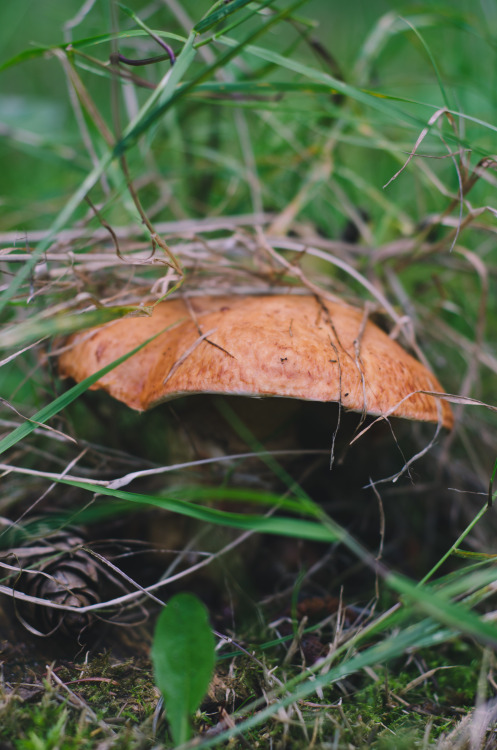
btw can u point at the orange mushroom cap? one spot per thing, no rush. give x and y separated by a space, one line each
287 345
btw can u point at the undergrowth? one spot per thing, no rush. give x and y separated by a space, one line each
292 146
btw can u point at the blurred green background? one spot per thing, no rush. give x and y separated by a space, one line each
371 46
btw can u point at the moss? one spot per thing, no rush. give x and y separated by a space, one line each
371 709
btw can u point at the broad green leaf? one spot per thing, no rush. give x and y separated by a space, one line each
183 658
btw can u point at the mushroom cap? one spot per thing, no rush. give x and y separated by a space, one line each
287 345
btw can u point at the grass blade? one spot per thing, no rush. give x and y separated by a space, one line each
223 11
59 325
67 398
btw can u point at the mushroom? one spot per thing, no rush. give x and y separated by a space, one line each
283 345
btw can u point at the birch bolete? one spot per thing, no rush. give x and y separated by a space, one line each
287 346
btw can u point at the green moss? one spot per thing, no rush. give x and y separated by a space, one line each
359 711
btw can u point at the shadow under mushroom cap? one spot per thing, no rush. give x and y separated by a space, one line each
287 345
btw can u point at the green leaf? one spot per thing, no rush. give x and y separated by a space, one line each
183 658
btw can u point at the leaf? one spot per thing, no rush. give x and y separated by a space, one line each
183 658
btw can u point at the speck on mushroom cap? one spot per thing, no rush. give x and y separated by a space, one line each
287 345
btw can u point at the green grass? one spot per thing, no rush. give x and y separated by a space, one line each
292 117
